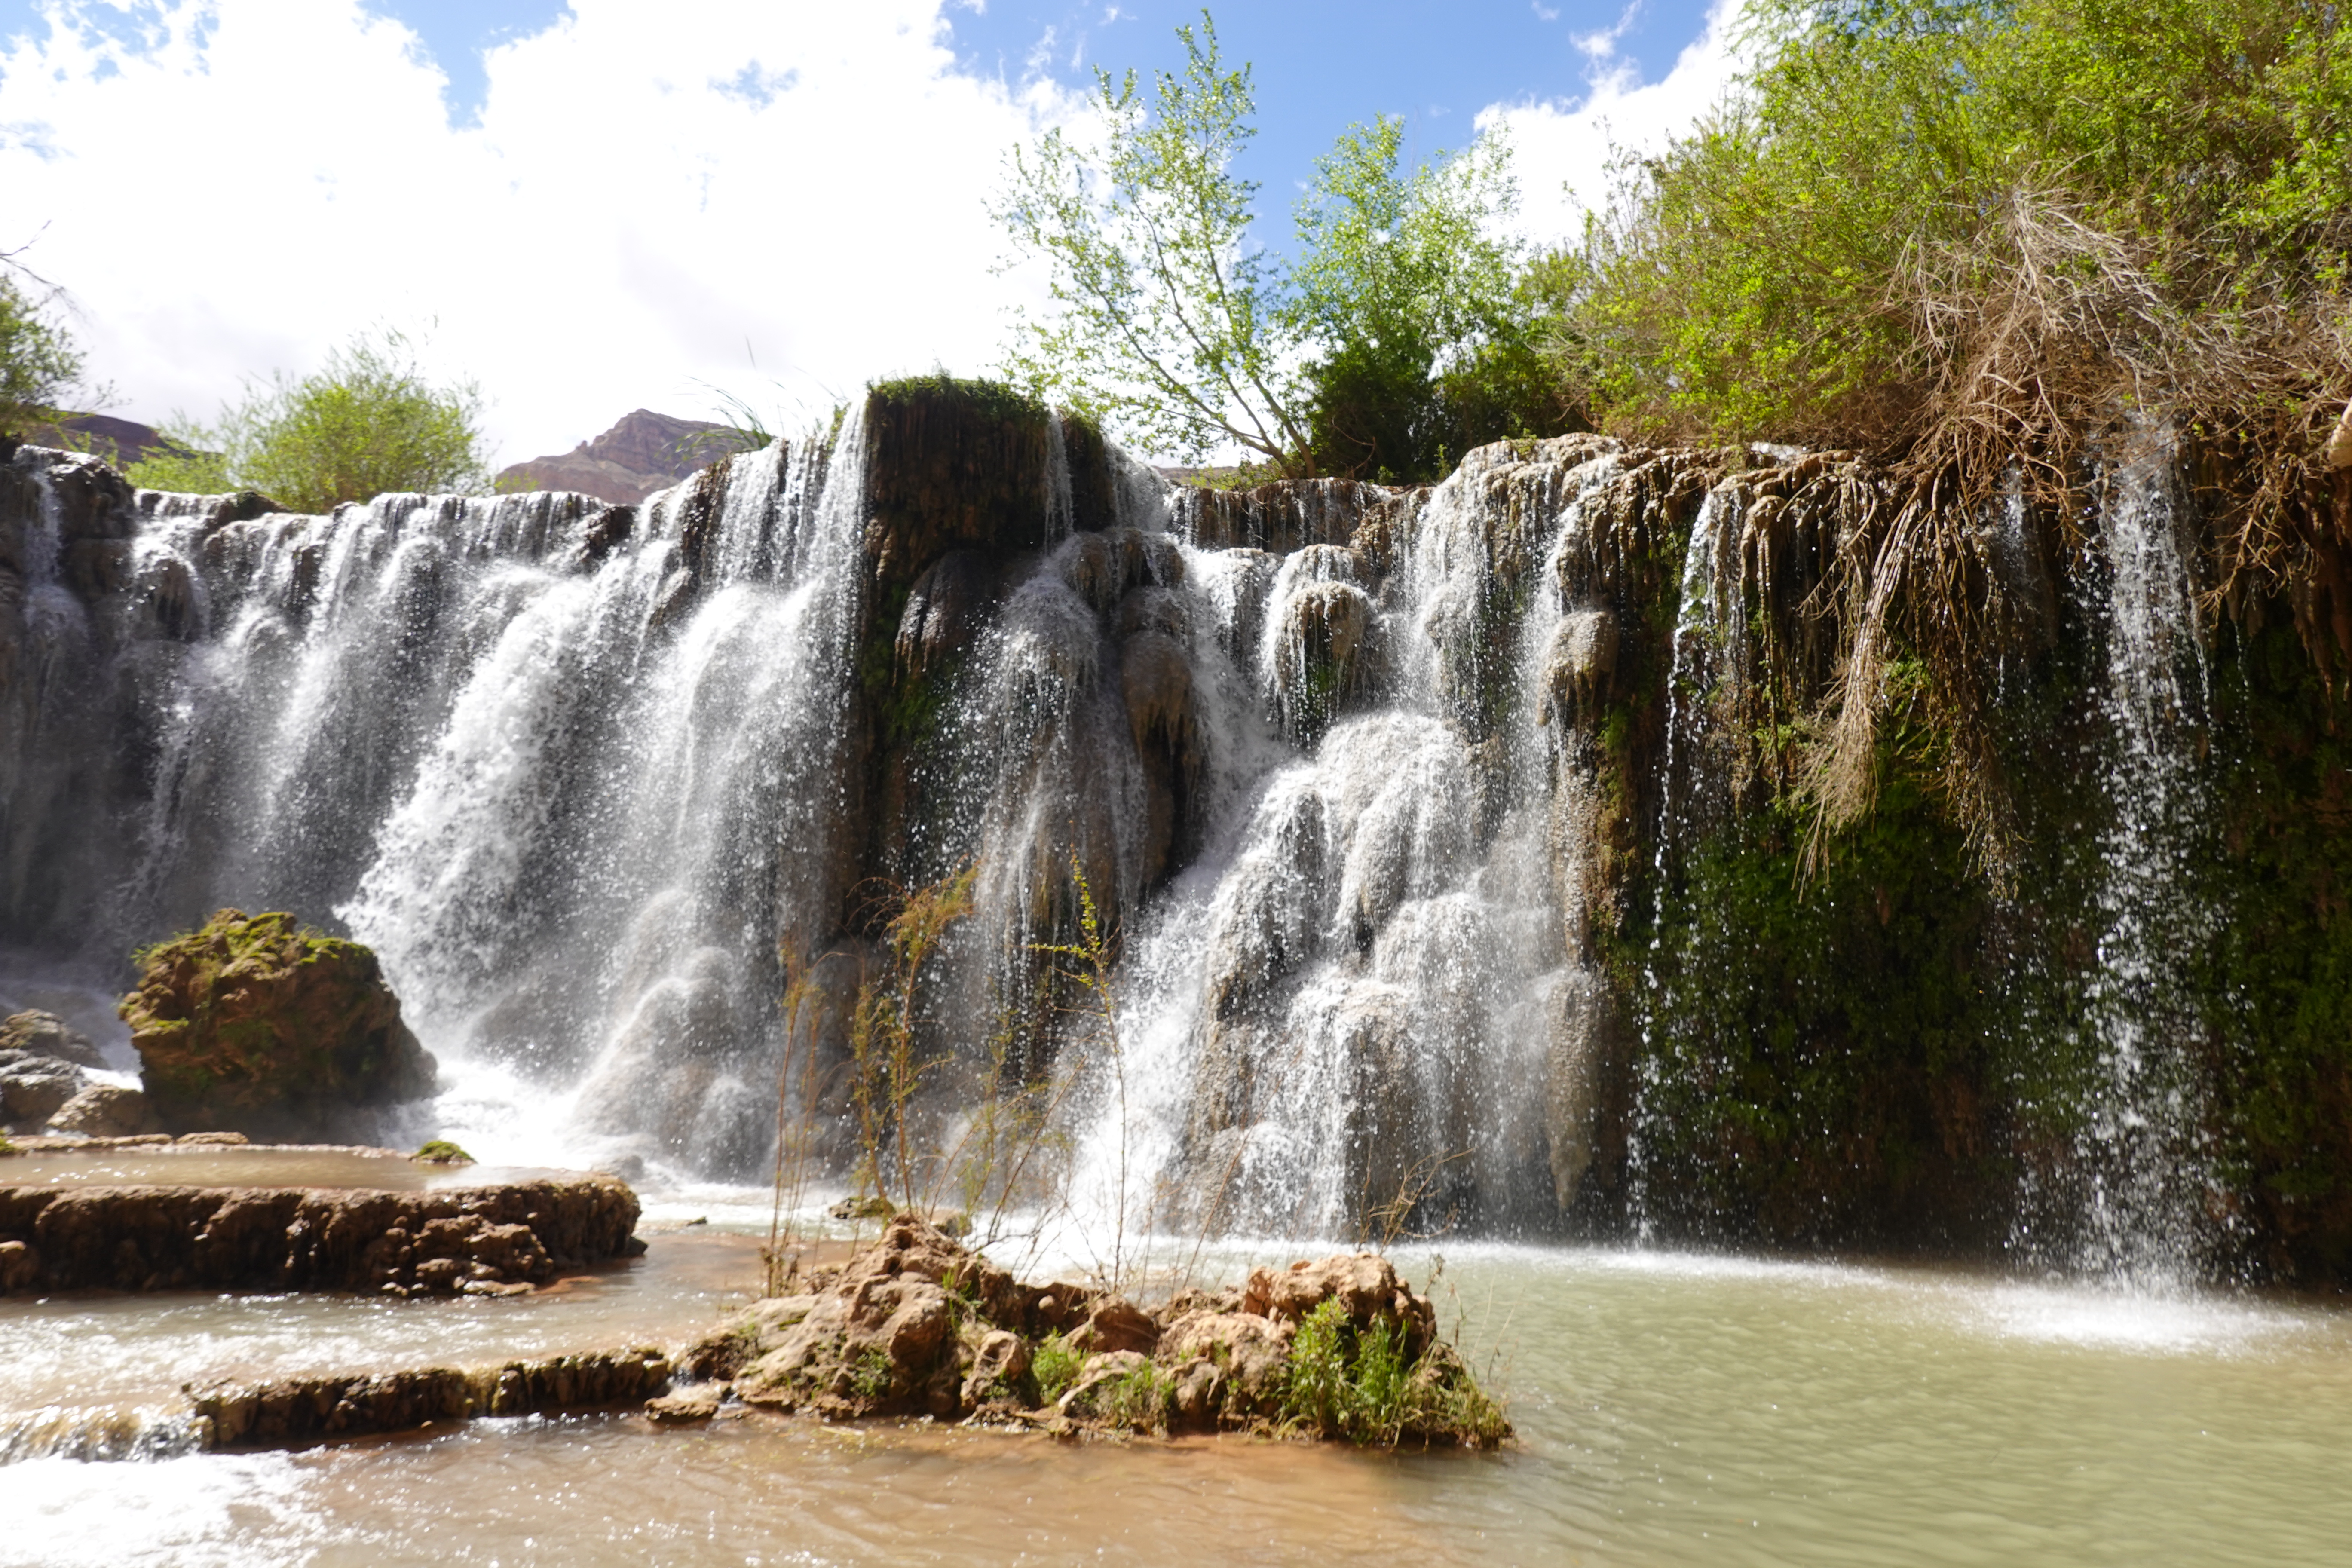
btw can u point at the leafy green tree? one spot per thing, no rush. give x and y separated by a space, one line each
1427 322
367 423
39 362
1408 332
1169 324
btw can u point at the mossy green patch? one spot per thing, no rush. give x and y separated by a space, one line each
260 1025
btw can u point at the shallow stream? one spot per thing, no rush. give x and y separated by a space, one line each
1671 1409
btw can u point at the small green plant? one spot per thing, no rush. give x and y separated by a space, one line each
1315 1390
1096 951
780 1258
6 1147
886 1061
1366 1385
1379 1389
871 1376
441 1152
1137 1399
1054 1366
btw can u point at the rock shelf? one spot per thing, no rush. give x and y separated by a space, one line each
499 1239
290 1412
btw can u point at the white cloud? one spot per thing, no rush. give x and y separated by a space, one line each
1600 46
645 193
1561 150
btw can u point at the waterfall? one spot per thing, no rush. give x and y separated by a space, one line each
1378 792
1333 1020
571 769
2144 1163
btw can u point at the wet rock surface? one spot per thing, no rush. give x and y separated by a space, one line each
35 1087
294 1411
916 1325
107 1110
491 1240
40 1034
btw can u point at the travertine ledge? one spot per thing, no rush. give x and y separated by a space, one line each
290 1412
487 1241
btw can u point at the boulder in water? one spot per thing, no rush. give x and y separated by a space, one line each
106 1110
918 1324
1365 1285
260 1026
35 1087
46 1034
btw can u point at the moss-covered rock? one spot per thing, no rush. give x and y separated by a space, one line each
255 1024
953 465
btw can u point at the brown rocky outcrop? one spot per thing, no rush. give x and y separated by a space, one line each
1365 1283
491 1240
256 1025
917 1324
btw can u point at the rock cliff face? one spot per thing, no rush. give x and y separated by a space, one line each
254 1025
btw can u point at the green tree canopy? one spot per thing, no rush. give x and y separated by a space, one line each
1169 324
39 362
366 423
1424 324
1406 331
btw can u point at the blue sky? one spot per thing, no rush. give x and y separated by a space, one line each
614 203
1322 65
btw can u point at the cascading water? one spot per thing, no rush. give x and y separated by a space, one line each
2143 1159
1365 810
1331 1019
570 769
1692 766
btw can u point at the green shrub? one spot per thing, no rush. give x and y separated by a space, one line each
1969 222
1054 1366
39 362
1136 1399
1407 334
1365 1385
368 422
872 1377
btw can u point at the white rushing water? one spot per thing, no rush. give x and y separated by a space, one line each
2145 1164
569 787
586 788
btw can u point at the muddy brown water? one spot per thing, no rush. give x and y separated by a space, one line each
1672 1410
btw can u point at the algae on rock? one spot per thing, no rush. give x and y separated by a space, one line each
255 1024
